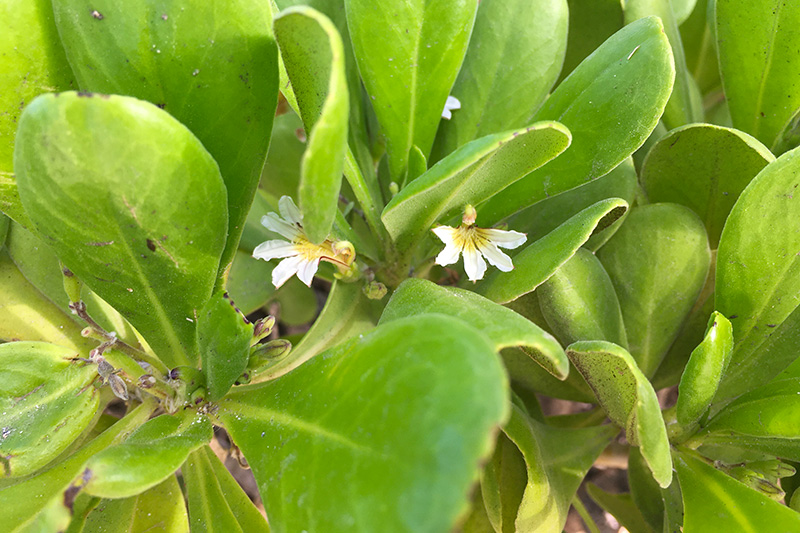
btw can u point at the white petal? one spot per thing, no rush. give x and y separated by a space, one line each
474 265
451 104
285 270
447 114
505 239
274 250
496 257
276 224
448 256
307 270
289 211
445 233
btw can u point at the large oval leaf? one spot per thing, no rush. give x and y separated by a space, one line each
312 53
610 103
503 326
705 168
409 54
757 44
391 427
46 399
514 56
758 276
212 65
658 262
150 243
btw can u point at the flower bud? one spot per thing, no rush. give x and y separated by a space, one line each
375 290
470 215
345 251
262 328
268 352
72 285
118 387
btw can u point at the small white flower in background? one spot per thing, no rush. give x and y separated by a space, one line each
300 256
474 244
450 105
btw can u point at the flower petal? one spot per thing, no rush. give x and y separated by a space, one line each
496 257
474 265
505 239
448 256
450 104
276 224
445 233
274 250
307 270
289 211
286 269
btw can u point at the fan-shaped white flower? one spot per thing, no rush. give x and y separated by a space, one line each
474 244
300 256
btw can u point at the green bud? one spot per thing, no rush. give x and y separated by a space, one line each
268 352
262 328
375 290
72 285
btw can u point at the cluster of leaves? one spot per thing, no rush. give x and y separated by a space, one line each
648 152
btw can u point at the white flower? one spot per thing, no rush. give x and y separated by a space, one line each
450 105
300 256
476 243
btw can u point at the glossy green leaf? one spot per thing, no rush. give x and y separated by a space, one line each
25 314
32 62
410 74
23 502
528 377
557 461
151 246
212 66
223 337
249 282
147 457
705 369
628 398
543 217
757 44
610 104
281 174
514 57
579 303
217 504
681 9
714 501
757 284
658 262
503 326
621 507
391 426
684 105
536 263
161 508
705 168
470 175
765 420
46 400
313 55
700 48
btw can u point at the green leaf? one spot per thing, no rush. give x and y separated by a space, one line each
312 52
682 9
645 492
223 337
503 483
409 54
591 23
47 401
579 303
23 502
249 282
281 174
628 398
217 503
161 508
391 426
151 242
685 104
514 57
33 62
503 326
705 168
25 314
470 175
610 104
557 461
758 281
714 501
536 263
765 420
700 48
621 507
757 45
147 457
212 67
706 367
5 222
658 262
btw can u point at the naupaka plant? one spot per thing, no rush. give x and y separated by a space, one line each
498 202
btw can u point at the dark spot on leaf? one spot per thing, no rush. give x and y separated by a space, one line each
67 272
762 114
771 325
85 94
733 316
151 245
161 105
